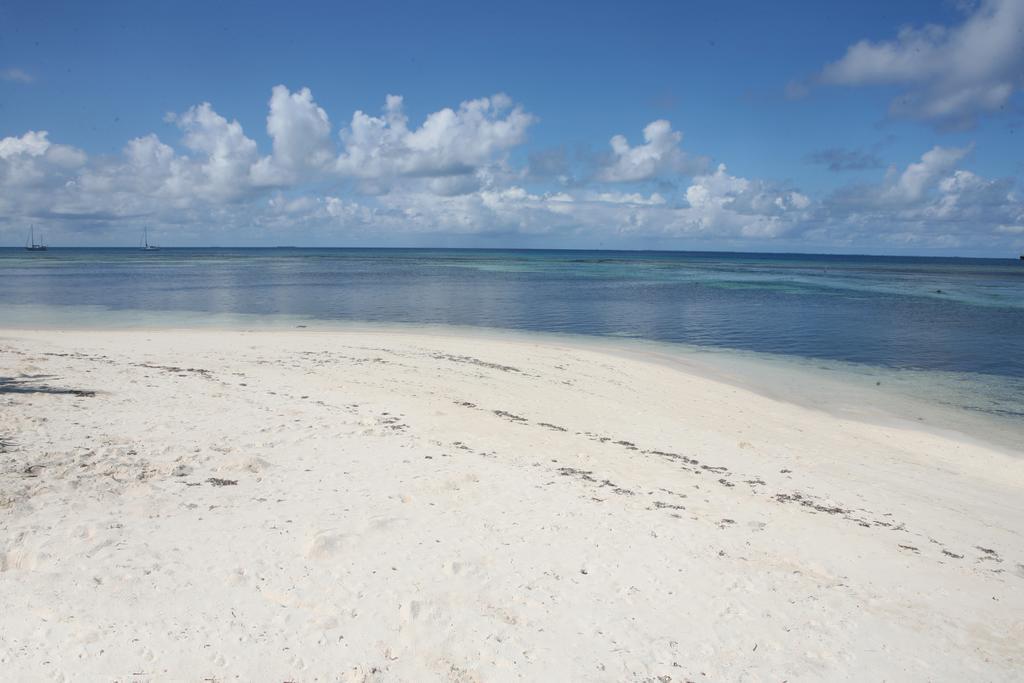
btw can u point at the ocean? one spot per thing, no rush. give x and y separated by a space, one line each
960 320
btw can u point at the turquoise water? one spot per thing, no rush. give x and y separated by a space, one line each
962 319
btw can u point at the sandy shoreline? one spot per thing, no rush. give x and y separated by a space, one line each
314 505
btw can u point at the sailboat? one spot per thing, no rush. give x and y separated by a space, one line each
146 246
32 245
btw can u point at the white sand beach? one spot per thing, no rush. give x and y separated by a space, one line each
316 505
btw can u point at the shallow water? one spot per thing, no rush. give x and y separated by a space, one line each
955 325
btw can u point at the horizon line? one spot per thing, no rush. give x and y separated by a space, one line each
541 249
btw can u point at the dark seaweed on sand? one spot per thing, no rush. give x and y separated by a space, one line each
37 384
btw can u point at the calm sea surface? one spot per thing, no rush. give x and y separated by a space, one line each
961 316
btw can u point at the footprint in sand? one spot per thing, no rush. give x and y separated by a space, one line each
328 543
331 542
84 532
21 558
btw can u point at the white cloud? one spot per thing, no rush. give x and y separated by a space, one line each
219 171
42 179
725 204
911 184
951 74
930 203
294 205
16 75
32 143
301 135
453 175
449 142
348 212
654 199
32 161
226 154
715 206
660 153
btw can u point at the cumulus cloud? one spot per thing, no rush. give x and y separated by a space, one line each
32 143
225 155
928 203
35 176
149 177
31 163
911 184
950 74
723 203
215 165
906 187
636 198
301 135
660 153
449 142
455 174
714 206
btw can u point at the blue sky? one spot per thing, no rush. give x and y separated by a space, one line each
890 127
